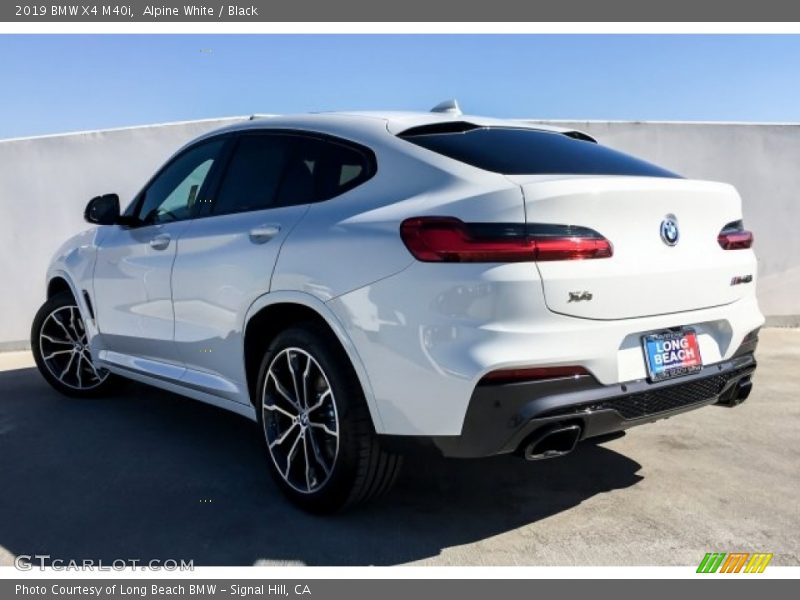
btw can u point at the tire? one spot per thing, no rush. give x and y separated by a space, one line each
58 342
322 451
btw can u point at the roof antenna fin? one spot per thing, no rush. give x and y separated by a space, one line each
449 107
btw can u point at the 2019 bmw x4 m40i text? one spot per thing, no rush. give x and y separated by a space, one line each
490 286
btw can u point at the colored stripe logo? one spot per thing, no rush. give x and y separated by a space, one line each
734 562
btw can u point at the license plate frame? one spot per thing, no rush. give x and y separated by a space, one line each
671 345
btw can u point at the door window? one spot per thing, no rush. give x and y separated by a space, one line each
253 174
175 191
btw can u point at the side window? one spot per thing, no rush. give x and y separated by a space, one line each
342 169
172 195
253 174
321 169
283 169
298 184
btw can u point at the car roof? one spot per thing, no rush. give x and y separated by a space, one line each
363 125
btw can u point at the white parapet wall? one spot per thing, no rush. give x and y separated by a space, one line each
46 181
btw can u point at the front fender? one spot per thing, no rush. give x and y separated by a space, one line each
74 263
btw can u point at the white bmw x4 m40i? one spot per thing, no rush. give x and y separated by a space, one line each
351 281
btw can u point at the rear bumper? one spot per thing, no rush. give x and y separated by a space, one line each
426 337
501 418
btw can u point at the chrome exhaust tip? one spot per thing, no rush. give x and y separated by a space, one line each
552 443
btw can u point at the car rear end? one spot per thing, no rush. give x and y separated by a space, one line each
618 295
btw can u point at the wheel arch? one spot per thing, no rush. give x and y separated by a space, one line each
57 284
276 311
59 281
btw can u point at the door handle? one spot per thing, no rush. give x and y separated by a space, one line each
264 233
160 242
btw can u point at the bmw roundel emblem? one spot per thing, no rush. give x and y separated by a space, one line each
669 230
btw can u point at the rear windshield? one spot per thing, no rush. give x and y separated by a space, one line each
516 151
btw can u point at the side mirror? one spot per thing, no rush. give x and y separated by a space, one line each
102 210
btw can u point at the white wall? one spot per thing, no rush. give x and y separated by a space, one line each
45 183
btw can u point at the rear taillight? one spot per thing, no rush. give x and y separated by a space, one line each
532 374
447 239
735 237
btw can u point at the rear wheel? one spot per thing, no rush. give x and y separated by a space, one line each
323 451
60 349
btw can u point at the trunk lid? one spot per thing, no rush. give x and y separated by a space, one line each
645 276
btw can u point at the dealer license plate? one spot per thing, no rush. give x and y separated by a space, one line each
672 354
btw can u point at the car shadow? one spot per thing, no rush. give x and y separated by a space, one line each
149 475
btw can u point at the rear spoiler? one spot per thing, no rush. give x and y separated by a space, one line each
464 126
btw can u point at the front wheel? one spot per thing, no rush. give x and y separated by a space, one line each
323 451
60 349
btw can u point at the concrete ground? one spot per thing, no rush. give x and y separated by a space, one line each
150 475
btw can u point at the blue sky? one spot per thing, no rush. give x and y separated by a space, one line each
58 83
